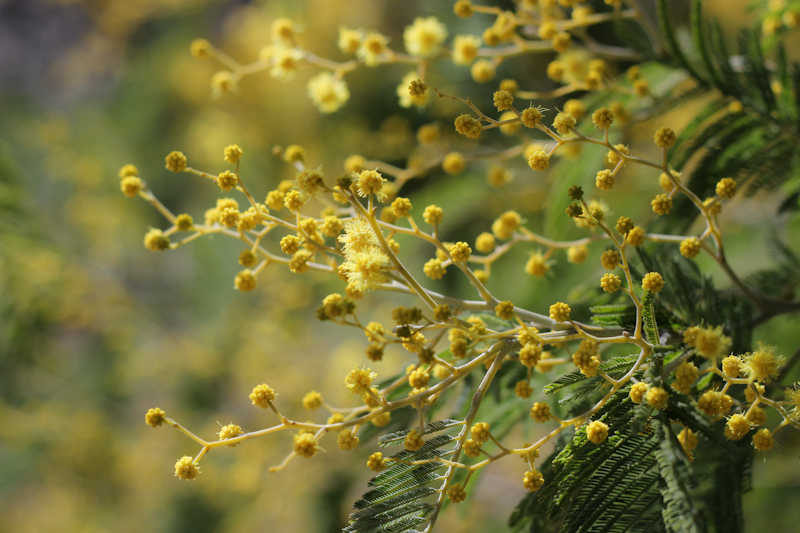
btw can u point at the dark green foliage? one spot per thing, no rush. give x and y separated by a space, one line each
756 147
677 482
401 497
782 280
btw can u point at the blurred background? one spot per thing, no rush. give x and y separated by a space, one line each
95 329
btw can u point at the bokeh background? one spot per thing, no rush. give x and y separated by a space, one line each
95 329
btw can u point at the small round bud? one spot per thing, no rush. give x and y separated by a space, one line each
603 118
690 247
130 186
200 49
726 188
559 312
232 154
597 432
468 126
610 282
531 116
653 282
605 180
662 204
665 137
657 397
262 395
155 417
575 192
186 468
176 162
417 88
454 163
503 100
539 161
463 8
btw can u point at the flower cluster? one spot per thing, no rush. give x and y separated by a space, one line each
447 338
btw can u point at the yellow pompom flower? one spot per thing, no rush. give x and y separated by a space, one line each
412 91
530 354
688 439
232 154
603 118
346 440
359 380
454 163
636 236
792 395
504 310
762 364
540 412
468 126
531 116
711 343
638 391
433 215
231 431
372 46
564 122
559 312
130 186
465 49
376 462
690 247
245 280
485 243
370 182
155 417
657 397
537 265
200 49
424 37
533 480
503 100
460 252
665 137
577 254
434 269
413 441
604 180
176 161
506 224
611 259
685 376
156 241
522 389
662 204
328 92
262 396
726 188
186 468
653 282
480 432
312 400
482 71
539 161
305 445
610 282
575 107
456 493
227 180
597 432
349 40
763 440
